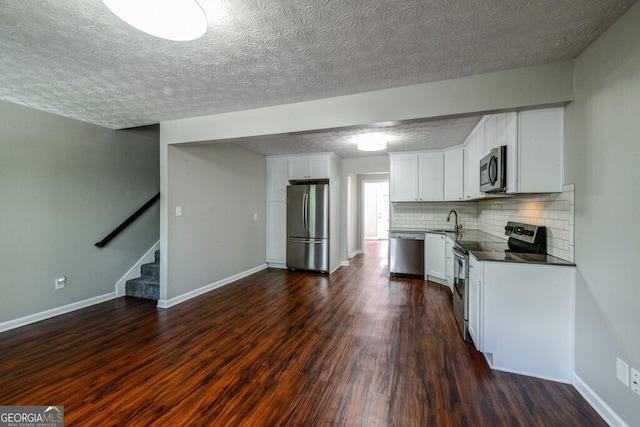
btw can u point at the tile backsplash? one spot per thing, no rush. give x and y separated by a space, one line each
423 216
555 211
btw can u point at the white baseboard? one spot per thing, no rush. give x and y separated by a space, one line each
601 407
167 303
344 263
32 318
134 272
356 252
279 265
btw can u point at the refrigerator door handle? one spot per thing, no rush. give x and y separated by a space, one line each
312 241
305 211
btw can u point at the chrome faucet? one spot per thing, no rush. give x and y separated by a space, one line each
458 226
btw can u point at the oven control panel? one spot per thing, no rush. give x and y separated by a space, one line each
525 232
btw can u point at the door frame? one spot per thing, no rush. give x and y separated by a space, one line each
362 204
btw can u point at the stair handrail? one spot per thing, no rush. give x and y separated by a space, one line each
102 243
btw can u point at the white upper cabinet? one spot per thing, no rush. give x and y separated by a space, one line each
431 176
495 132
403 177
277 179
454 174
535 144
539 151
473 152
416 177
309 167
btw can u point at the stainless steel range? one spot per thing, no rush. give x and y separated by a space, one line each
523 238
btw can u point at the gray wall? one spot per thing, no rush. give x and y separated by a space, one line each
64 185
602 153
219 187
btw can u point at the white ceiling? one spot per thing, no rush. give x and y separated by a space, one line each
76 59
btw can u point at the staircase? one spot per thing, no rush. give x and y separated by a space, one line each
148 285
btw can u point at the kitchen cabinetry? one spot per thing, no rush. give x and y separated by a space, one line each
308 167
435 255
473 152
535 145
475 298
281 169
448 268
522 317
277 179
276 234
403 177
276 221
454 174
416 177
495 132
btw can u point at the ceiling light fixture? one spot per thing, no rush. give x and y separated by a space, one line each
372 141
178 20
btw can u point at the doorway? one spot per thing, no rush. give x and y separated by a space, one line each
375 210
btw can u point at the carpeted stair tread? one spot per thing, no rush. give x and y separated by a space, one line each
148 284
151 269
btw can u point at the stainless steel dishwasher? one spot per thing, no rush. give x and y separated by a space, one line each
406 253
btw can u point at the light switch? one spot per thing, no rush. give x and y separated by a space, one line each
178 210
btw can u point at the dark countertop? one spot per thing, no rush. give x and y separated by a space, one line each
499 255
473 235
525 258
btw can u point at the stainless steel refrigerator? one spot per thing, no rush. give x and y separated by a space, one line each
308 227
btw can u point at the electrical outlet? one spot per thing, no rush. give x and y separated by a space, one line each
425 217
622 371
635 381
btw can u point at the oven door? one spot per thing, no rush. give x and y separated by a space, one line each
460 290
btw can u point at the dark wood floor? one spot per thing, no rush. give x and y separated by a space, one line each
278 349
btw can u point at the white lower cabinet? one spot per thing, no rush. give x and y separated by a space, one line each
435 263
475 298
277 234
448 268
523 317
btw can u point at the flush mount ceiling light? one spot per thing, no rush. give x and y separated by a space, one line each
372 141
179 20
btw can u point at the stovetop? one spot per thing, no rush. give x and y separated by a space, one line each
470 245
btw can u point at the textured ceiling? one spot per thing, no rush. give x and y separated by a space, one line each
407 136
75 58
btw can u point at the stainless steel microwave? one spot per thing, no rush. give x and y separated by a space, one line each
493 171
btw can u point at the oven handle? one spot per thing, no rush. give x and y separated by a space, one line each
458 253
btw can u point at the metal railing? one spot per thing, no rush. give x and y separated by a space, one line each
102 243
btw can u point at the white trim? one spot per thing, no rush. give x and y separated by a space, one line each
337 267
596 402
164 303
279 265
533 375
134 271
37 317
356 252
344 263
